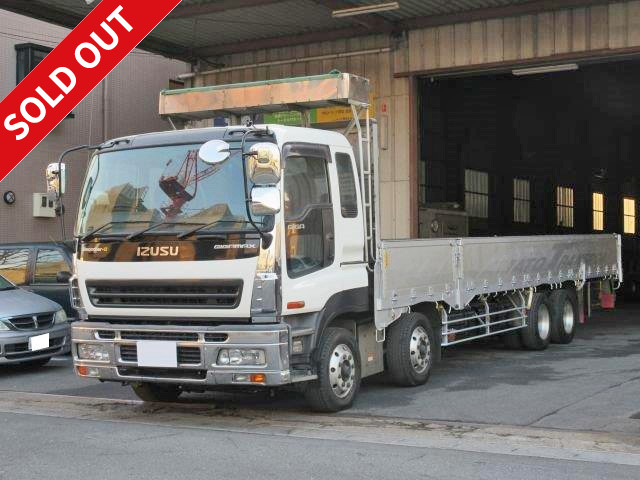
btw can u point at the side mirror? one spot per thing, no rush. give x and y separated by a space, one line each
63 277
214 151
264 163
56 181
265 200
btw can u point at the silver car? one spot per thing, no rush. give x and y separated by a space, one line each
32 328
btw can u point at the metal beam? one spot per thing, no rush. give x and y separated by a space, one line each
371 21
187 11
534 6
530 7
277 42
41 11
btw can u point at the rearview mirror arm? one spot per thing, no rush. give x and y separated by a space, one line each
266 238
59 193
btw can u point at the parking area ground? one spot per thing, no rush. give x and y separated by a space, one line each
592 384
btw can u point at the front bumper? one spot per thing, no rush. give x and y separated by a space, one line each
198 349
14 344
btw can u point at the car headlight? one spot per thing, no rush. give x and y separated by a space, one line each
93 351
59 317
3 326
241 356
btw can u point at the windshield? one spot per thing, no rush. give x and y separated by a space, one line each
5 284
126 191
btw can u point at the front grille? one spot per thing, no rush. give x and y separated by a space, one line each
106 334
213 294
168 336
33 322
21 350
162 373
186 355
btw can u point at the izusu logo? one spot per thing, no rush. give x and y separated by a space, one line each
158 251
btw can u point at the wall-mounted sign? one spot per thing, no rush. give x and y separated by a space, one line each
318 115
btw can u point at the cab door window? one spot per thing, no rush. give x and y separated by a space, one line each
308 212
14 265
48 264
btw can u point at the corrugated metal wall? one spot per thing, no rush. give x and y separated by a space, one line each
595 28
529 37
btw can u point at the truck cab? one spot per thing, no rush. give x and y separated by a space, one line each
185 282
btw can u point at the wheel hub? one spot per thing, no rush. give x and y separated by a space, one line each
544 322
567 317
342 371
420 350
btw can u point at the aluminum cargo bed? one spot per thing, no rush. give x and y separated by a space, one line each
454 271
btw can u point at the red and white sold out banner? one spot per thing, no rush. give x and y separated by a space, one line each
69 73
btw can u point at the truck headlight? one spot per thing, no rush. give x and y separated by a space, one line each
60 317
93 351
241 356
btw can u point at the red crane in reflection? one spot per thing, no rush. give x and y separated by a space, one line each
176 186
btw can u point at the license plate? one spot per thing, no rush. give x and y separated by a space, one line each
160 354
39 342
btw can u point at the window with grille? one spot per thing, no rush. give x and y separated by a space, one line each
521 200
598 211
564 207
28 56
629 215
476 193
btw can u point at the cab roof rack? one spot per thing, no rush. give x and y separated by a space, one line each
288 94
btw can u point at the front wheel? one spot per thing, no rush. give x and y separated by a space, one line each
410 350
156 392
338 365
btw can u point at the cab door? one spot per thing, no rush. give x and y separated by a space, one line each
319 244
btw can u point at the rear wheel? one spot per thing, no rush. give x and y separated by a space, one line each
338 367
564 315
537 334
410 350
156 392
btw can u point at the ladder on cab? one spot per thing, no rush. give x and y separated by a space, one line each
367 140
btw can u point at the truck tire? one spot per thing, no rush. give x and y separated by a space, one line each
156 392
410 350
564 315
338 367
537 334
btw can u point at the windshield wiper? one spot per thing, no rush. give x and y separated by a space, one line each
204 226
107 225
156 225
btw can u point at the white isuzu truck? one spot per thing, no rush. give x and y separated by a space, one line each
250 256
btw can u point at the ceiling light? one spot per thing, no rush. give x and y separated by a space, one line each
365 9
546 69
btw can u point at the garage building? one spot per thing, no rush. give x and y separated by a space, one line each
518 113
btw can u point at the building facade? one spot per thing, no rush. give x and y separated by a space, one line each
125 102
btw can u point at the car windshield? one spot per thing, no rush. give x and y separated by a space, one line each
129 190
5 284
